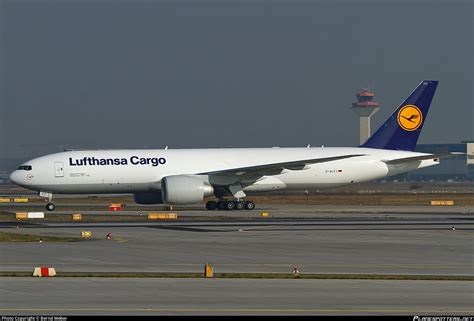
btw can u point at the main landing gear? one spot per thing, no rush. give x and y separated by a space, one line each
230 205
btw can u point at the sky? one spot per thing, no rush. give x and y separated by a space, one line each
83 74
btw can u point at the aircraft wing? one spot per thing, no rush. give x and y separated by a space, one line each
420 158
275 168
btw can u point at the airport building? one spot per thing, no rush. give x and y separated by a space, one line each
470 158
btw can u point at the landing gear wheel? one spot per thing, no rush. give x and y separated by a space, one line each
249 205
239 205
50 207
229 206
211 205
220 205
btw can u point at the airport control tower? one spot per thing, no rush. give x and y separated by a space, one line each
365 107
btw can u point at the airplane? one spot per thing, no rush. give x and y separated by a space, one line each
187 176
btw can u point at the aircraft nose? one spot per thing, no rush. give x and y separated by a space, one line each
15 178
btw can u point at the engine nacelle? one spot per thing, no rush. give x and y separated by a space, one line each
148 198
184 189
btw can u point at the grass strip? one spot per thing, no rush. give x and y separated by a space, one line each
304 276
17 237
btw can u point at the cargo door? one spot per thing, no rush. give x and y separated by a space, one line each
58 169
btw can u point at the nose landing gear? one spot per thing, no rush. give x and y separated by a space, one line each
50 206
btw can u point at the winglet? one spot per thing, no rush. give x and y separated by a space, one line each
403 127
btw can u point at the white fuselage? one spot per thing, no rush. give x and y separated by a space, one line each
130 171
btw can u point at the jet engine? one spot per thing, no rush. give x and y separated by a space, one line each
184 189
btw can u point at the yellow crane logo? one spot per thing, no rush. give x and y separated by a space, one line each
410 117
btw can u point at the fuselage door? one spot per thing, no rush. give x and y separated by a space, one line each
58 169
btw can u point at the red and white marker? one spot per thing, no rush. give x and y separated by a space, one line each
44 271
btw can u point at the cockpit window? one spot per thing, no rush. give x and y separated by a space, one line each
24 168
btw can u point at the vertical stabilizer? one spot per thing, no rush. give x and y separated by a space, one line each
403 127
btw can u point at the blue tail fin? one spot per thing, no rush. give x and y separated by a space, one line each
403 127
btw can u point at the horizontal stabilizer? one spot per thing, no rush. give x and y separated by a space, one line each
420 158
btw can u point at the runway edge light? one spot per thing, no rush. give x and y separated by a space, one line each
208 271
